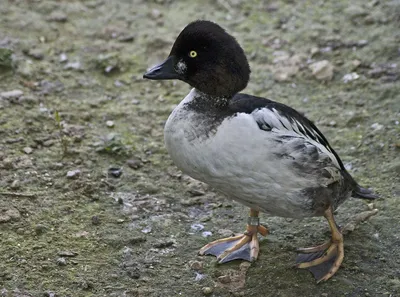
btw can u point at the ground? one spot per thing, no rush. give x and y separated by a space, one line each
90 202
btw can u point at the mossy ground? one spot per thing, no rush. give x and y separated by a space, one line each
132 234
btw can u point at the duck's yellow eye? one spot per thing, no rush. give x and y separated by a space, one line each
193 54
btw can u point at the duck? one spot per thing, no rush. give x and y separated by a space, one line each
261 153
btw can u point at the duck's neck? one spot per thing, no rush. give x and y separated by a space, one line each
205 102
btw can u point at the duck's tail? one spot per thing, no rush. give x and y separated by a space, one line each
363 193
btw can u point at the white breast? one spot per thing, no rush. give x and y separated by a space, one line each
239 160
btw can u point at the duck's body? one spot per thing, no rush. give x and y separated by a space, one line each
274 169
258 152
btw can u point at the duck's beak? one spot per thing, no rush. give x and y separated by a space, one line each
165 70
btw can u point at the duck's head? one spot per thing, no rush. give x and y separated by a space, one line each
206 57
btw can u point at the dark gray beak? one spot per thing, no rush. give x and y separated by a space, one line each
165 70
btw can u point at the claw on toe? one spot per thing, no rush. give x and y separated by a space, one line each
241 247
324 260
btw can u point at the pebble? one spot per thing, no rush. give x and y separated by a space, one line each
115 172
350 77
134 163
61 261
9 214
197 227
376 126
322 70
57 16
28 150
207 291
63 58
73 173
14 94
35 53
67 254
206 234
224 279
196 265
40 229
73 66
95 220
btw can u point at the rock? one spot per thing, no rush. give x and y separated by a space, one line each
350 77
63 58
61 261
225 232
40 229
196 227
35 53
14 94
95 220
196 265
126 38
134 163
73 66
377 126
110 124
9 214
322 70
163 244
73 173
206 234
207 291
355 11
57 16
224 279
27 150
67 254
115 172
284 73
15 184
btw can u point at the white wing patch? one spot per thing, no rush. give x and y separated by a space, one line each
285 126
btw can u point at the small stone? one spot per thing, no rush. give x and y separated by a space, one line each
322 70
206 234
61 261
225 232
134 163
73 173
57 16
15 184
40 229
197 227
95 220
126 38
28 150
115 172
35 53
163 244
63 58
224 279
377 126
14 94
350 77
207 291
73 66
67 254
196 265
110 124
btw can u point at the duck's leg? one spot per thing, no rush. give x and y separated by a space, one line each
244 246
324 260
